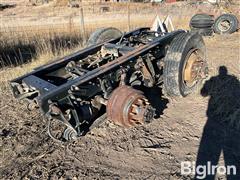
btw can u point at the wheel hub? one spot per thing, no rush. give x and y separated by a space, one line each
224 25
128 107
194 68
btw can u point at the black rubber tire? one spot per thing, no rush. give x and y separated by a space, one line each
201 25
226 17
203 31
175 60
201 21
103 34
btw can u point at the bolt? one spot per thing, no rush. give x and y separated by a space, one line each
147 103
132 114
134 105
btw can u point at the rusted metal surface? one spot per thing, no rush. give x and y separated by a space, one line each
190 72
194 68
82 89
128 107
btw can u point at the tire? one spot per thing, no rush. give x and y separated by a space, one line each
102 35
203 31
175 61
196 25
230 27
201 21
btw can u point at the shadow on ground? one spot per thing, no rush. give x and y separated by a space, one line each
155 97
221 133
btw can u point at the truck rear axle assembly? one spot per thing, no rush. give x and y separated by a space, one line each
105 80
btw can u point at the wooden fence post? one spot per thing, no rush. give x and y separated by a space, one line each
70 23
128 14
83 30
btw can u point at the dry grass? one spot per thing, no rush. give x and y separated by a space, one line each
25 52
51 42
8 73
28 42
42 45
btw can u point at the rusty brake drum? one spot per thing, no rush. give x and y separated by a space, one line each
129 107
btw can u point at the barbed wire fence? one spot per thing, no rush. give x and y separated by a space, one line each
81 20
28 30
85 18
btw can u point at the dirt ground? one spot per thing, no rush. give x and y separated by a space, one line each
198 127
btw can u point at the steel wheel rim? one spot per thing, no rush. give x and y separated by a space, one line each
191 67
224 25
